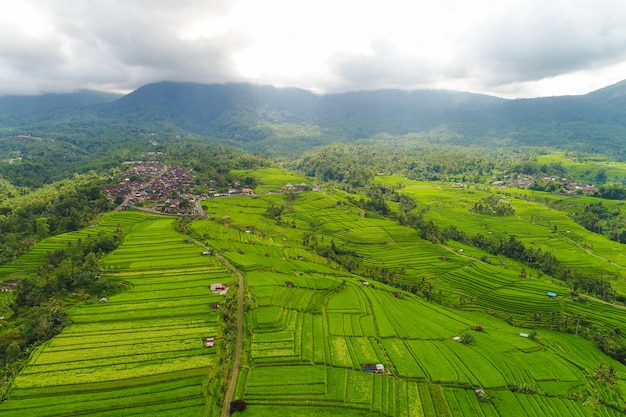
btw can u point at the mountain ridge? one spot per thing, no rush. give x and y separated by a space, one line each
11 104
278 121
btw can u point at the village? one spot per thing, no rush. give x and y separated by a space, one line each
153 185
563 186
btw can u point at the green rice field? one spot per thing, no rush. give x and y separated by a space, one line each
312 325
311 322
142 352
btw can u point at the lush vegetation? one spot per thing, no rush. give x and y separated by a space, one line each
142 349
68 205
486 282
69 273
319 311
288 122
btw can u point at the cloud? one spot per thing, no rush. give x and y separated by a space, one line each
387 66
512 48
509 48
67 44
531 41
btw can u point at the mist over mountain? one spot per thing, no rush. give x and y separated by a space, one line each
47 102
290 120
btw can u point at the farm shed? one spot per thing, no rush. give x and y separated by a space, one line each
209 342
9 285
218 287
479 393
289 284
104 300
214 306
551 294
375 368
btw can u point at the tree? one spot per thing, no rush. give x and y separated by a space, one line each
606 375
579 318
42 227
467 338
291 196
600 177
237 405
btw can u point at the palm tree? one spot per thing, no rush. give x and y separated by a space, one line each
606 375
579 318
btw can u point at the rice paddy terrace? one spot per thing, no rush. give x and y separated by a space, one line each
142 352
321 340
313 326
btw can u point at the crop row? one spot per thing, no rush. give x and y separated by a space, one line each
142 351
359 324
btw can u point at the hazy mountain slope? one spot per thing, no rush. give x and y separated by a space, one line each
282 121
253 116
47 102
203 108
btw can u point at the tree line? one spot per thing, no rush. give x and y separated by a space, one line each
62 207
39 309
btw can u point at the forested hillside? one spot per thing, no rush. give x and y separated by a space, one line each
284 122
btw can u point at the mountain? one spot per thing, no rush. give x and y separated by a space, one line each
615 93
47 102
282 121
209 108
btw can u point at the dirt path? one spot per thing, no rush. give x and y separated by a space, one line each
235 365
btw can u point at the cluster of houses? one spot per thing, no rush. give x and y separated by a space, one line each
571 187
174 180
167 186
236 191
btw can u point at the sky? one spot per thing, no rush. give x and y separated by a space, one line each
505 48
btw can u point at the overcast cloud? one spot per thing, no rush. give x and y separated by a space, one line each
513 48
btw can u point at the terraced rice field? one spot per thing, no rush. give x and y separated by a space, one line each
312 325
142 352
533 224
28 263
